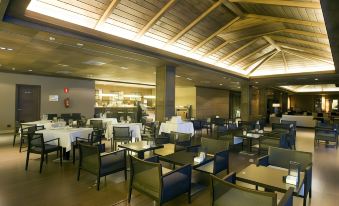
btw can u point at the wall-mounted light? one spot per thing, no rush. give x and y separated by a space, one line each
275 105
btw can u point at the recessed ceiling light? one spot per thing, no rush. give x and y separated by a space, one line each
63 65
9 49
89 75
124 68
30 70
220 84
177 76
51 38
13 68
256 82
94 63
80 44
316 79
189 79
63 72
238 87
2 48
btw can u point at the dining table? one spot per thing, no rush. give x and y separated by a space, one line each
182 127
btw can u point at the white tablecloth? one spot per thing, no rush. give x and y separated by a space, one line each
66 135
134 127
105 121
46 123
184 127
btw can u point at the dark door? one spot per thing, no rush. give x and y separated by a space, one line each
27 103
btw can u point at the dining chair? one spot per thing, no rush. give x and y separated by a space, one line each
146 176
16 131
94 138
95 161
220 163
51 116
225 191
122 135
96 124
37 145
149 132
280 157
25 130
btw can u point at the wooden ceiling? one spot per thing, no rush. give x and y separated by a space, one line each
251 37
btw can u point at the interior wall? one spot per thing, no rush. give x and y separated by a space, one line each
212 102
81 94
186 96
302 102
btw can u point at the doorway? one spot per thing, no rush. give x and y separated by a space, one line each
27 105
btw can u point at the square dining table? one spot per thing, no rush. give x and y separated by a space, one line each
141 147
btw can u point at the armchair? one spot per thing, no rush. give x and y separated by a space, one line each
280 157
226 192
220 163
146 177
25 130
120 134
180 140
211 146
96 124
325 134
273 139
100 164
37 145
149 133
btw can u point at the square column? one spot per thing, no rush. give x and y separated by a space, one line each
165 92
245 104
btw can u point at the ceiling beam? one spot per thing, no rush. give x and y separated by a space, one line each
233 8
291 3
269 40
237 50
287 20
263 62
216 49
215 34
306 33
284 59
250 54
259 59
155 18
322 53
193 23
300 41
309 56
107 13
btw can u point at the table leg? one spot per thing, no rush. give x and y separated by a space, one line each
66 155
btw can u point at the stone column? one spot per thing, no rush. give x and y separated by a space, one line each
245 101
165 92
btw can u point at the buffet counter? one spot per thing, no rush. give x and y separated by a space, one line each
302 120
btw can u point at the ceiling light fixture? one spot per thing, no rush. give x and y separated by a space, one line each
316 79
220 84
177 76
30 70
51 38
256 82
3 48
80 44
13 68
189 79
124 68
9 49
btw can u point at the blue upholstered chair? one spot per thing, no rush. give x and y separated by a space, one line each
226 192
148 177
220 163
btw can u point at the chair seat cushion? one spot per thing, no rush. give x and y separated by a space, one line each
111 163
48 148
174 184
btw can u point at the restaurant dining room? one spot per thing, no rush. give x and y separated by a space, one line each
169 102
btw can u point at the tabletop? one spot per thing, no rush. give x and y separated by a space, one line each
141 146
268 177
183 127
185 157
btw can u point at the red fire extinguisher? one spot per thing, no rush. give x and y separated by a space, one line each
67 102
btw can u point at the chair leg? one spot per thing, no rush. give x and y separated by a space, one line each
310 193
98 183
304 201
129 194
78 177
27 159
61 156
46 158
14 138
125 173
73 154
41 161
21 140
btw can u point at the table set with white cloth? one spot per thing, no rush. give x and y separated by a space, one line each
106 123
182 127
48 124
135 128
67 135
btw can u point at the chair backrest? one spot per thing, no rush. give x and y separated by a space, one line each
27 129
212 146
146 177
76 116
66 117
51 116
326 125
96 136
277 126
294 123
281 157
89 157
221 130
96 124
218 121
121 132
197 124
176 137
226 193
221 161
35 140
248 125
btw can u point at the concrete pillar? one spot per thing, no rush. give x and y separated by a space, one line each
263 102
245 101
284 100
165 92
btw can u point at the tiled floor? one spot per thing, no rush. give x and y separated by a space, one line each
58 186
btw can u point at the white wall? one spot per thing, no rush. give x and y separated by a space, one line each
81 94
